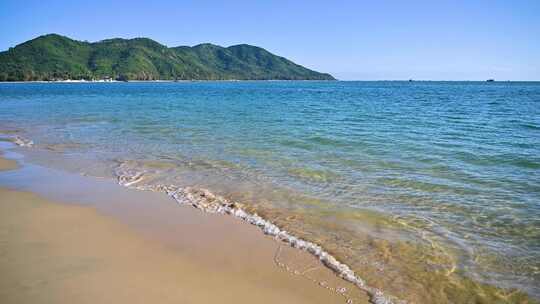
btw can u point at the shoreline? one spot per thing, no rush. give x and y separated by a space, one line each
272 80
125 184
258 267
208 203
169 80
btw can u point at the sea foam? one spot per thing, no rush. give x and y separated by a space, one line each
21 141
207 201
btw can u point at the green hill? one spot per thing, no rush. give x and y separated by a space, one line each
53 57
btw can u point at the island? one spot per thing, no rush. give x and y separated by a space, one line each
54 57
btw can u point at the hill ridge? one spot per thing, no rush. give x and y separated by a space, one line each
56 57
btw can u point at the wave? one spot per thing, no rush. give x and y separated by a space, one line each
206 201
21 141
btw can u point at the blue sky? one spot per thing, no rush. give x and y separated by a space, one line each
437 40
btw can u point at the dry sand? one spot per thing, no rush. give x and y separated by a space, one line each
53 252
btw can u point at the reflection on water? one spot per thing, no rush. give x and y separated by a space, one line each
429 191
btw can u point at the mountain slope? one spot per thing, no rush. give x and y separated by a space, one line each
53 56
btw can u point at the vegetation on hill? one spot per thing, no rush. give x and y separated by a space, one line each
55 57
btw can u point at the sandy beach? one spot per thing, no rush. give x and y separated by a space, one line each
66 252
7 164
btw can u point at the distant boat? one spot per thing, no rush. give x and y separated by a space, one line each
490 80
411 80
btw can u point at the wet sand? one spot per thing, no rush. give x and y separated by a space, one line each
7 164
98 243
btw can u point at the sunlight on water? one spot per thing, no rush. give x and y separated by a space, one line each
429 191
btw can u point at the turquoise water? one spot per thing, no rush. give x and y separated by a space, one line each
453 166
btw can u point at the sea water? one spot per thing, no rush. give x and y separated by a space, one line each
428 191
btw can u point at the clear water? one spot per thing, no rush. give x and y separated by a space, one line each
413 184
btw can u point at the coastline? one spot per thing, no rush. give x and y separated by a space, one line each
172 80
168 223
159 257
276 80
53 185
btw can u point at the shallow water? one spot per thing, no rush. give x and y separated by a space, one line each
423 185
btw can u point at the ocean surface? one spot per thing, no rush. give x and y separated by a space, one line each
429 191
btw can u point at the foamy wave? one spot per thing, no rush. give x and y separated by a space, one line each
22 142
208 202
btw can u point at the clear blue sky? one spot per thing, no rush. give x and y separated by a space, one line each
436 40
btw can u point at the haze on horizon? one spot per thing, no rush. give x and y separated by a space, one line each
442 40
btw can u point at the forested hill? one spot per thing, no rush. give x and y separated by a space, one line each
55 57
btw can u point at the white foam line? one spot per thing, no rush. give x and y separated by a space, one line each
206 201
22 142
